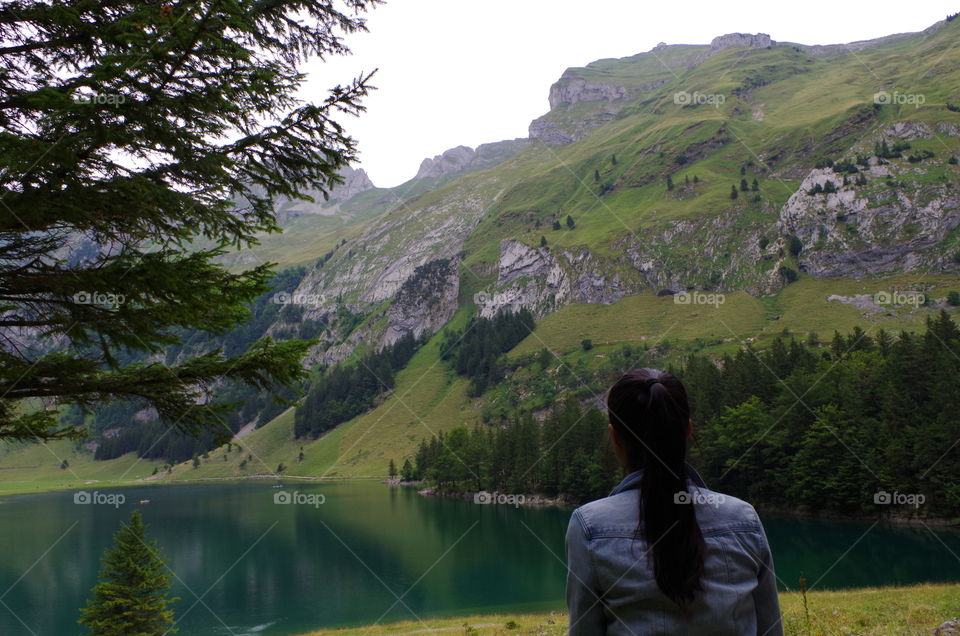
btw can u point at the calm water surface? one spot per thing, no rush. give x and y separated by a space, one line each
245 565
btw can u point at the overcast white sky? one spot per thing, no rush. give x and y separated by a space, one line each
454 73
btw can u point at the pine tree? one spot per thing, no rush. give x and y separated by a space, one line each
392 469
743 185
733 192
669 182
168 141
131 597
755 186
596 175
543 241
570 222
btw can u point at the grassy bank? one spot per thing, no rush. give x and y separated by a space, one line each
916 609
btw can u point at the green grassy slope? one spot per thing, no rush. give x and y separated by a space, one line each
783 110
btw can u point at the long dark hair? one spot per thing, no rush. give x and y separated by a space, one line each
649 411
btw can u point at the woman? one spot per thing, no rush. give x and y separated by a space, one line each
663 554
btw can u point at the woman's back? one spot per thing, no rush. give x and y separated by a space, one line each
611 587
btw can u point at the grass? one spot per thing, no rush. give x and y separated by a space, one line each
882 611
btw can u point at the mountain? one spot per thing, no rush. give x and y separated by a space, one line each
711 118
801 187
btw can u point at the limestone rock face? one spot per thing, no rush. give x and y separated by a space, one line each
748 40
463 159
859 231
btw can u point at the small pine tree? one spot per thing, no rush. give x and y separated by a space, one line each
743 170
596 175
613 159
406 472
196 462
686 179
131 597
556 225
696 179
743 185
755 186
733 192
392 469
281 468
543 241
954 298
570 223
586 344
669 182
64 465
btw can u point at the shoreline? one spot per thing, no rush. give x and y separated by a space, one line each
425 490
541 501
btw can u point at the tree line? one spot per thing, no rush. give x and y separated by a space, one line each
475 350
347 390
797 425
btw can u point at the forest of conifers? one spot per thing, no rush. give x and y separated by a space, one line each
798 425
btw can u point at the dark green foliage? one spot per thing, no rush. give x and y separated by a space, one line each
755 186
596 176
762 242
952 160
164 134
347 390
475 351
953 107
883 150
953 298
131 597
788 273
586 344
669 182
556 225
570 222
795 245
566 454
920 156
543 241
733 192
743 185
874 416
392 469
845 167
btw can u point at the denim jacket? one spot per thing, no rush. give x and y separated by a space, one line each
611 587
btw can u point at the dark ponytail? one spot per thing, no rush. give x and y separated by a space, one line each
649 411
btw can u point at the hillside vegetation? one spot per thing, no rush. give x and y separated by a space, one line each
781 181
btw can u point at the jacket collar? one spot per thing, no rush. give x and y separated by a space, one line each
632 480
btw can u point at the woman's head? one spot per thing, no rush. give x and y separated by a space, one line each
650 421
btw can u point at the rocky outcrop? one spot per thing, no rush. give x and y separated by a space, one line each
572 89
368 273
463 159
355 181
862 230
743 40
425 301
